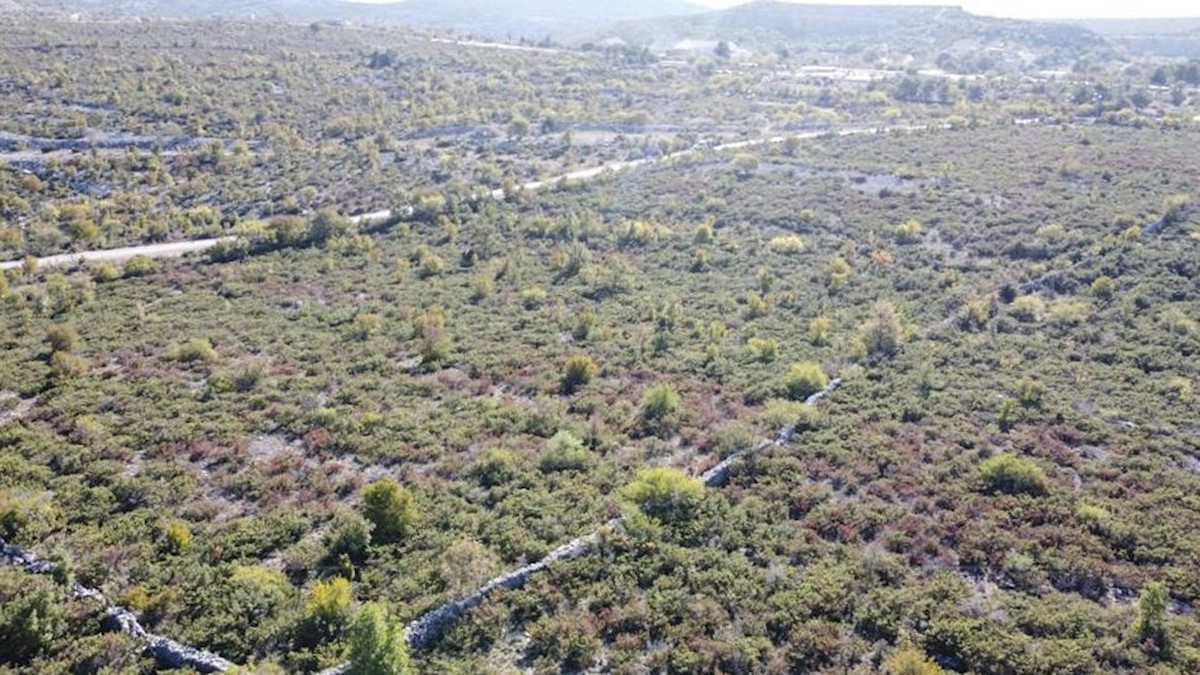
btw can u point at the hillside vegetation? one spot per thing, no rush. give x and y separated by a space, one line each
949 334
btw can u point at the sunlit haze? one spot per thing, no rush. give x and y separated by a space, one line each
1040 8
1021 9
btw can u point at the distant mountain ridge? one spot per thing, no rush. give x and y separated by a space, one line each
765 23
561 20
1172 38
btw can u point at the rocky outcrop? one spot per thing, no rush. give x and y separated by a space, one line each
166 651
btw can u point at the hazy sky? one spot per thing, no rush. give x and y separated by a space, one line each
1021 9
1032 9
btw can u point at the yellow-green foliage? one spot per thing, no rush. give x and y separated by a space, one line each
1180 388
839 272
820 330
882 334
909 231
377 645
763 349
1104 288
756 307
1012 474
62 338
390 508
329 605
1068 313
664 493
195 350
564 452
1028 308
661 403
140 266
804 379
178 536
578 371
366 325
104 272
910 660
790 243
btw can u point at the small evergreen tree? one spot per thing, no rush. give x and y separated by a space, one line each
804 379
664 493
390 508
579 370
377 644
881 334
1150 627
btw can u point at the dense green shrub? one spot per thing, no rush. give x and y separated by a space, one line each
804 379
391 508
564 452
1150 627
664 493
62 338
1012 474
377 645
909 660
140 266
881 334
578 371
195 350
567 644
31 616
661 407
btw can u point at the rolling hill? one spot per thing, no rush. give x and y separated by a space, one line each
767 23
529 19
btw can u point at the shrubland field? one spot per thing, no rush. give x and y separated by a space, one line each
245 447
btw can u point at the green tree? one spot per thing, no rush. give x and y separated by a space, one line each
178 537
764 349
578 371
348 535
435 343
661 406
908 659
820 329
1150 628
745 165
1104 288
1013 475
377 645
31 616
564 452
804 379
327 611
366 325
62 338
1028 308
664 493
518 126
881 334
195 350
839 272
1006 416
105 272
909 231
326 225
390 508
140 266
